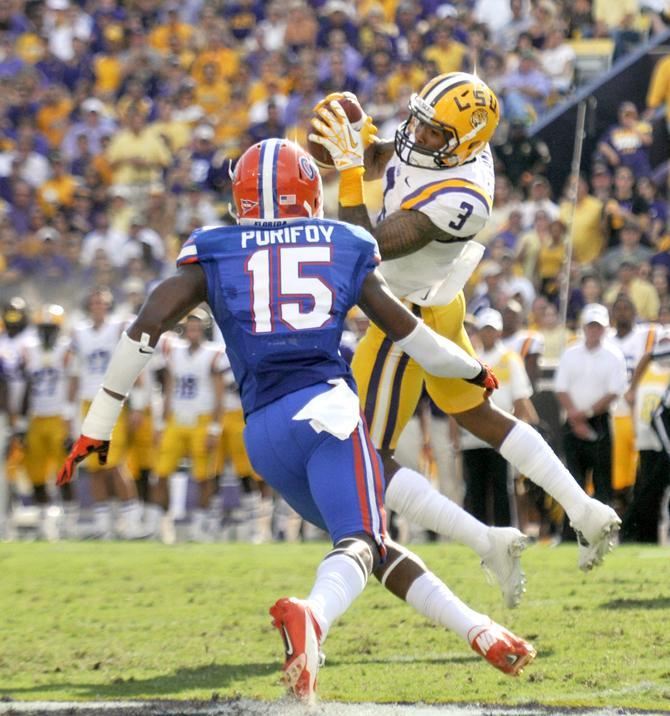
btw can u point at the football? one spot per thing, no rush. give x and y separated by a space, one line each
320 154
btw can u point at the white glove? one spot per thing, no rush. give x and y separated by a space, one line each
336 133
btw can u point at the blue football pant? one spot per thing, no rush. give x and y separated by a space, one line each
335 484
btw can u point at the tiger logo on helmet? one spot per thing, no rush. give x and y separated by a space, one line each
276 180
459 105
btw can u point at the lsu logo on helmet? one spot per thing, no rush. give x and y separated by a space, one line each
459 105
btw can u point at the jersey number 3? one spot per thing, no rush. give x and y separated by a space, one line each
285 295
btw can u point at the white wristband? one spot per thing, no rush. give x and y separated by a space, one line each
127 362
438 355
102 416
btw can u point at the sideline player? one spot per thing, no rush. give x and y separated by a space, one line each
45 364
192 411
16 332
634 340
438 182
93 343
280 285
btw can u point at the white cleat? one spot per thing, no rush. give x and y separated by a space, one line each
597 528
502 562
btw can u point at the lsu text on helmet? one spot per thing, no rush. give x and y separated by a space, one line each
276 180
459 105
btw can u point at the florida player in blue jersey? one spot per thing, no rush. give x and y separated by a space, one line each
280 285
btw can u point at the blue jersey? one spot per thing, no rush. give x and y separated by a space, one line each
280 295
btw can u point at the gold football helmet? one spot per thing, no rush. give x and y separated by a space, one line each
462 107
50 314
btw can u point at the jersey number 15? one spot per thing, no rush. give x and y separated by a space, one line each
280 292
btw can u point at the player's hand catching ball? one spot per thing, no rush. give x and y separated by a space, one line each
359 118
487 379
82 448
336 133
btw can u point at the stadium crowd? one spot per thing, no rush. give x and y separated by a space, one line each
120 121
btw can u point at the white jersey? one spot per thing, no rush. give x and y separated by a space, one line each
11 351
93 348
525 343
192 382
634 345
514 385
48 372
457 200
647 397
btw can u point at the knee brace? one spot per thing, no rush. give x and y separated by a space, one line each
363 551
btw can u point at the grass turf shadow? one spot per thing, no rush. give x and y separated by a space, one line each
655 603
211 676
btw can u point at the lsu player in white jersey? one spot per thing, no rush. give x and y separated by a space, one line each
438 181
649 385
634 340
16 331
192 413
93 342
45 360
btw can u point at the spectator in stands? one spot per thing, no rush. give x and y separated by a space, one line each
601 181
522 156
558 60
103 237
551 258
587 232
591 375
624 206
589 290
659 90
94 124
628 249
142 243
505 200
489 293
529 244
619 20
301 27
626 143
539 199
508 35
641 292
657 212
526 89
136 156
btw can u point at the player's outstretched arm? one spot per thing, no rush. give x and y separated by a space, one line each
168 302
434 353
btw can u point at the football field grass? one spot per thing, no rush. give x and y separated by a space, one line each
144 621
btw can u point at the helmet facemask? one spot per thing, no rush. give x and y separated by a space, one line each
416 155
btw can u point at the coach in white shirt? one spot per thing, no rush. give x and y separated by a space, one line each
591 375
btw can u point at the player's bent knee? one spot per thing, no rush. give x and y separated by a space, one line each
487 422
400 569
362 549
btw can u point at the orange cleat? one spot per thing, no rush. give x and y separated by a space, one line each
501 648
301 635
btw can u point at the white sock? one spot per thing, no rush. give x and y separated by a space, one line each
525 449
411 495
102 517
198 517
432 598
132 513
152 517
339 580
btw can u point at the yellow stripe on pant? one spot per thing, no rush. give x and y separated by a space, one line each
390 383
